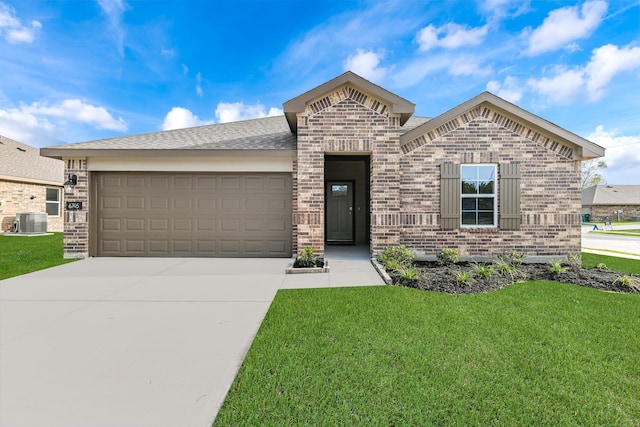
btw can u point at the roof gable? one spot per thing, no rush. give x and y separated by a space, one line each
21 162
352 85
508 116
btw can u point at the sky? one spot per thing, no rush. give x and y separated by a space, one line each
73 71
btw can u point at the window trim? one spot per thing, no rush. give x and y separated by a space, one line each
53 202
493 195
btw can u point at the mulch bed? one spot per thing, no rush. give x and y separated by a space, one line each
434 277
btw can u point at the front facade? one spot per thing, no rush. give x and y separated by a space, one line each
29 183
347 164
611 202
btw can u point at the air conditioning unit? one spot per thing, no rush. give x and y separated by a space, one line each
31 222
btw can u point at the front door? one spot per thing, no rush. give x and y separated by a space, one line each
339 212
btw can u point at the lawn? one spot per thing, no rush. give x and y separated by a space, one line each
21 254
534 353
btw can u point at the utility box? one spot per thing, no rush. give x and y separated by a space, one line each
31 223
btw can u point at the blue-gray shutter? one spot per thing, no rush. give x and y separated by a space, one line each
450 196
509 196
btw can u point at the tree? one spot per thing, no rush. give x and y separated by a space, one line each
591 172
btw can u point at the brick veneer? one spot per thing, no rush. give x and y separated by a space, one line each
608 212
349 122
76 223
20 197
550 196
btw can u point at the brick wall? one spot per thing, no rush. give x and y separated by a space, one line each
21 197
350 122
602 213
76 223
550 192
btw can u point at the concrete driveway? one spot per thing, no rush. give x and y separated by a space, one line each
121 342
138 341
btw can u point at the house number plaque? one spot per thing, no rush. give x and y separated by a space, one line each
74 206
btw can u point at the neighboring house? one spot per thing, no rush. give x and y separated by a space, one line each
346 164
29 183
612 202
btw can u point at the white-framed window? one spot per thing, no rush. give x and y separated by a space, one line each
478 194
53 201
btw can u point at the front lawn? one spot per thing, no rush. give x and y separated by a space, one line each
534 353
21 254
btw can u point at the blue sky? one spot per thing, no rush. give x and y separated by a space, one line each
78 70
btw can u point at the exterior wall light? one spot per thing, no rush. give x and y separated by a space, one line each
70 183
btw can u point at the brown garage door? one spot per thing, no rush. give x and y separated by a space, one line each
175 214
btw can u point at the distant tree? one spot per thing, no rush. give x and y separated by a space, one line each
591 172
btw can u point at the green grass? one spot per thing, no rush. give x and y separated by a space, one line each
534 353
20 254
623 265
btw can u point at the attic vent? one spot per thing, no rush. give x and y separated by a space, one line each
21 149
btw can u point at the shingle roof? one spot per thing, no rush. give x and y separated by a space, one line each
269 133
611 195
21 162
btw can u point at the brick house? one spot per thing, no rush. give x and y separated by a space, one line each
346 164
29 183
612 202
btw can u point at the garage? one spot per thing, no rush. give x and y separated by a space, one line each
193 214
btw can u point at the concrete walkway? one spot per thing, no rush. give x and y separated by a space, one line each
138 341
621 246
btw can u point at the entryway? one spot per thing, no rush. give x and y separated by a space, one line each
346 200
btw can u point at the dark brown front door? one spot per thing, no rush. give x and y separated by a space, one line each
339 212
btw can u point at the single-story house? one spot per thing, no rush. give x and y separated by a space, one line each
29 183
347 163
612 202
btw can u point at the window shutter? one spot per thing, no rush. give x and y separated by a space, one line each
450 196
510 196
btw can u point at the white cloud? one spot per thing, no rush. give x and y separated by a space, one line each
606 62
622 156
509 89
450 36
114 9
235 111
366 64
180 118
199 84
13 30
563 88
501 8
28 128
563 26
466 66
185 69
78 111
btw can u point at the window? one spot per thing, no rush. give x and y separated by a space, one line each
478 194
53 201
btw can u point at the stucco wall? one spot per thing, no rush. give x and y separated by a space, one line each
20 197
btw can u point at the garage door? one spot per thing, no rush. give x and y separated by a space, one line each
174 214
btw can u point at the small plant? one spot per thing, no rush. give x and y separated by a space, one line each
514 257
482 270
574 260
307 258
448 256
602 266
409 273
463 277
629 281
394 258
503 266
556 268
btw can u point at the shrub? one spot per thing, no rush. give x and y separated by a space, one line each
394 258
482 270
602 266
307 258
574 260
409 273
463 277
556 268
514 257
629 281
502 264
448 256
